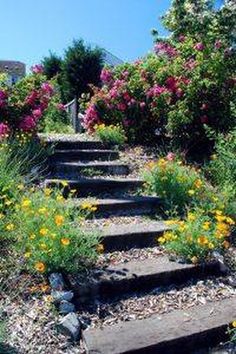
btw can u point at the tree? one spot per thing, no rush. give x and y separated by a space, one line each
81 66
52 65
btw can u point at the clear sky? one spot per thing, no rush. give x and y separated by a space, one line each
30 28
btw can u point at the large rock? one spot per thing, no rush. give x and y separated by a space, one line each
59 296
66 307
56 281
70 326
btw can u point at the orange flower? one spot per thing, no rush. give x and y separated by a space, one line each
100 248
65 241
202 240
40 267
226 244
59 219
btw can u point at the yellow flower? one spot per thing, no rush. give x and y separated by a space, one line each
234 324
26 203
168 236
8 202
42 210
47 192
27 255
59 219
161 240
198 183
211 246
94 208
100 248
171 222
20 187
213 157
206 225
59 198
202 240
43 231
150 165
191 192
64 183
194 260
10 227
86 205
191 217
65 241
43 246
40 267
230 221
32 236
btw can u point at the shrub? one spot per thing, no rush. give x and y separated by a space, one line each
177 184
44 231
195 238
110 134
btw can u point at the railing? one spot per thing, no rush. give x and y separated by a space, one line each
75 117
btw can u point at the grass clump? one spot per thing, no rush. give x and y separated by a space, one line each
111 134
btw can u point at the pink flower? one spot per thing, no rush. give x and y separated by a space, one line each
121 107
142 105
37 113
91 118
166 49
106 76
31 98
218 44
3 98
190 64
204 119
4 130
204 106
199 46
126 96
179 92
171 83
182 38
27 124
47 88
170 156
37 69
61 107
127 123
156 91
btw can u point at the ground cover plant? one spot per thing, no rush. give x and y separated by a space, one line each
110 134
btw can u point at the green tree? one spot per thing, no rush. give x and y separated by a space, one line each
82 66
52 65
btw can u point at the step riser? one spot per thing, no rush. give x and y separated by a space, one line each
90 189
103 290
125 211
124 242
76 171
84 156
68 145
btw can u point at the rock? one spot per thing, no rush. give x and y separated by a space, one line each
232 281
56 281
223 267
66 307
70 326
59 296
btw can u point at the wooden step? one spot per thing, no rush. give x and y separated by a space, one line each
76 169
95 186
75 145
177 332
138 276
84 155
124 237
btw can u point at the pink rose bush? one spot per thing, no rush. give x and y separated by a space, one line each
24 105
185 86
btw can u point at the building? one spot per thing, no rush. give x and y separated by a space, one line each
111 59
14 69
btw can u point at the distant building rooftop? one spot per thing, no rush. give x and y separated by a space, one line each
15 70
111 59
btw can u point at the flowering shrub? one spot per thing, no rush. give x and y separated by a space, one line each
23 106
110 134
195 238
177 184
46 236
187 85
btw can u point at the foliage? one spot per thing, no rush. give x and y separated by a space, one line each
179 185
195 238
80 66
44 230
232 332
24 105
187 85
110 134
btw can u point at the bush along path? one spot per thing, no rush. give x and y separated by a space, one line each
136 300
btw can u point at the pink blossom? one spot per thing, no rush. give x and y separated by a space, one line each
204 119
179 92
182 38
190 64
156 91
199 46
106 75
171 83
60 107
170 156
91 118
126 96
27 124
4 130
142 105
31 98
37 69
218 44
204 106
166 49
121 107
125 74
37 113
3 98
47 88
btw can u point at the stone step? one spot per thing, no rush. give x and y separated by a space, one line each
75 169
136 276
124 237
177 332
84 155
94 186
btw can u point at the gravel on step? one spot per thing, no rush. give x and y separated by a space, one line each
54 137
117 220
159 301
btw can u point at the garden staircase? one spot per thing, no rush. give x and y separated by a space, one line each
85 165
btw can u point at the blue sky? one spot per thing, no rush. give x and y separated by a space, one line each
30 28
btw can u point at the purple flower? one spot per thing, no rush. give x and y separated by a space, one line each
182 38
27 124
4 130
218 44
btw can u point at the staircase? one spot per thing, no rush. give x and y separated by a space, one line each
94 170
